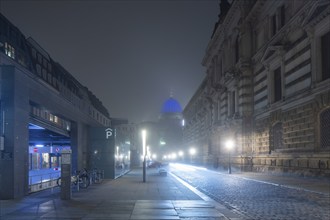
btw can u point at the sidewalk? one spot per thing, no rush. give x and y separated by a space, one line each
160 197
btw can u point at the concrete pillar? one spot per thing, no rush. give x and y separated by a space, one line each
14 129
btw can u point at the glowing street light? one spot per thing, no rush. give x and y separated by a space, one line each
144 137
229 146
192 152
181 154
117 151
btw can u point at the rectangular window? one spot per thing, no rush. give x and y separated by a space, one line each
39 58
44 62
44 74
277 85
325 53
9 50
216 70
219 110
38 69
278 20
49 78
274 25
34 53
282 17
55 119
231 103
51 117
21 59
236 50
220 72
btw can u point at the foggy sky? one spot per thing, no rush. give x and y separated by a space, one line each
130 54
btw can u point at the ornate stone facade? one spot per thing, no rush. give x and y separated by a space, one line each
267 87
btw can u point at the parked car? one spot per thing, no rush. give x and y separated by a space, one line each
154 164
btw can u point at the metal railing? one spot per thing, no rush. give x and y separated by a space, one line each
43 181
48 180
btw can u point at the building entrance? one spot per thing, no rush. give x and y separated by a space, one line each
45 147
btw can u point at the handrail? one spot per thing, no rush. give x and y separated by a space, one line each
43 181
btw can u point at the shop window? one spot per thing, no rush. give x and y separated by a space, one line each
325 128
325 53
45 160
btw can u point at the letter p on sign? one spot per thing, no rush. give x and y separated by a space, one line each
108 133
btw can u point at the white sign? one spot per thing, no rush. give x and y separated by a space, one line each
108 133
66 158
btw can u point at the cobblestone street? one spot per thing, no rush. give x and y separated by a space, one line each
256 199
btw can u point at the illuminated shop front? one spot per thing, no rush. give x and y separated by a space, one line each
45 157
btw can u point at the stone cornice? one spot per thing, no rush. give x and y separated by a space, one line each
220 33
313 16
296 20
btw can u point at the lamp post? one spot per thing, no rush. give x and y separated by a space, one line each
181 155
229 145
192 152
144 136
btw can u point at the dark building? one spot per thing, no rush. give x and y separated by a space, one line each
44 110
170 126
163 136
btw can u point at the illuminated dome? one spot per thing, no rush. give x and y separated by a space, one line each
171 106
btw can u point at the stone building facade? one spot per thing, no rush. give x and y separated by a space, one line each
267 87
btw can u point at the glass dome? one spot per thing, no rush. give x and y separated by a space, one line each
171 106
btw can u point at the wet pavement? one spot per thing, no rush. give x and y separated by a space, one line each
187 193
262 196
128 197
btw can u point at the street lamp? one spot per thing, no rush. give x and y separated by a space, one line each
144 136
192 152
229 146
181 154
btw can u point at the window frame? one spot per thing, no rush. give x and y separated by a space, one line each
321 121
320 30
274 64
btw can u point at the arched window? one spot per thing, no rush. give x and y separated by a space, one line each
325 128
